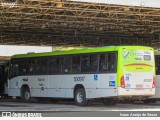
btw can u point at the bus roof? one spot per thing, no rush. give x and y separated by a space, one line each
80 51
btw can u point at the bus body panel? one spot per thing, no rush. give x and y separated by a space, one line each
136 85
137 71
13 87
96 85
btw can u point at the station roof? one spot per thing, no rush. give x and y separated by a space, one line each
4 58
71 23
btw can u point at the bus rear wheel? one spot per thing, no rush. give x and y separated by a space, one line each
109 101
26 95
80 97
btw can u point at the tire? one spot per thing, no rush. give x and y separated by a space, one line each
109 101
26 95
80 97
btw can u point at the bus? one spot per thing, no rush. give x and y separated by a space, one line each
3 78
109 73
156 97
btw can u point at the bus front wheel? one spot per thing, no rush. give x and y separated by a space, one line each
80 97
26 95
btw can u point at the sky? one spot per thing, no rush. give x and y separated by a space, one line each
9 50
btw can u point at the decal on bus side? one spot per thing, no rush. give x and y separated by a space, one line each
127 78
95 77
112 83
78 79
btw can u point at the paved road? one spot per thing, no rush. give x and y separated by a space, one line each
14 105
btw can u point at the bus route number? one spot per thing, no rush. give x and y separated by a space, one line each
79 79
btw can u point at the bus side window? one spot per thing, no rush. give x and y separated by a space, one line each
1 73
13 70
51 65
103 63
111 62
75 68
23 67
94 62
89 63
158 70
157 64
31 66
67 64
57 64
41 66
61 64
107 62
85 63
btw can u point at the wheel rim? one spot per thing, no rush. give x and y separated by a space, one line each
79 97
27 95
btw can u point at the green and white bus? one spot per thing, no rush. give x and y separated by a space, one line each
109 73
156 97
